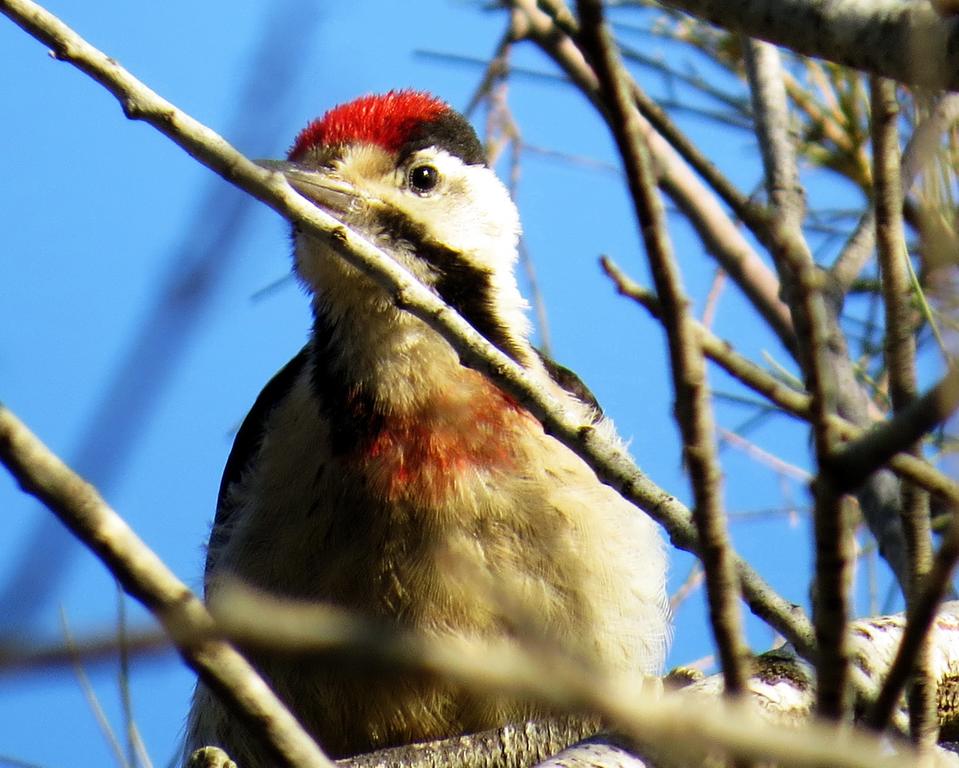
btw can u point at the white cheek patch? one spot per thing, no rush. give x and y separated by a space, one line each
471 213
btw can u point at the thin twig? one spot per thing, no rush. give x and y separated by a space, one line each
90 695
900 358
495 69
827 121
833 537
137 754
693 410
692 582
712 298
719 233
774 463
797 403
13 762
38 656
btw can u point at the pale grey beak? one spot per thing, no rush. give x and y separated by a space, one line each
330 193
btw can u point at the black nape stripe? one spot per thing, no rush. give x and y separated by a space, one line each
464 285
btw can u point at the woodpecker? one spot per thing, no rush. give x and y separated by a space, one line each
377 473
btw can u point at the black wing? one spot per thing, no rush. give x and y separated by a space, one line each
571 383
246 445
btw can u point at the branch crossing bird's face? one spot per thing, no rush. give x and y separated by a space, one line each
409 173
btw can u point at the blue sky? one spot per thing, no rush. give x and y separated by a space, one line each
144 302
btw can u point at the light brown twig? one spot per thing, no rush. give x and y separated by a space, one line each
833 536
693 408
900 357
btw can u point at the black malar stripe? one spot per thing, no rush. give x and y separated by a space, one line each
464 285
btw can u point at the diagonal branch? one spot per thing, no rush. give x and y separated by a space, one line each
610 462
792 401
142 574
877 446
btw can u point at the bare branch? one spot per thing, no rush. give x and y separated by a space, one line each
611 464
878 445
693 409
798 273
878 36
143 575
790 400
719 233
900 356
781 684
723 240
654 720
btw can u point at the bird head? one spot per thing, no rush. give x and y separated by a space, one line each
408 172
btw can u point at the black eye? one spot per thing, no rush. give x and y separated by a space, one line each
424 178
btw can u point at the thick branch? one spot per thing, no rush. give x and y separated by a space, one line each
781 684
905 40
658 721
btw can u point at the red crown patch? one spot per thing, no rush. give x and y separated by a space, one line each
385 120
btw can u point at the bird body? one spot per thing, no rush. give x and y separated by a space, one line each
377 473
